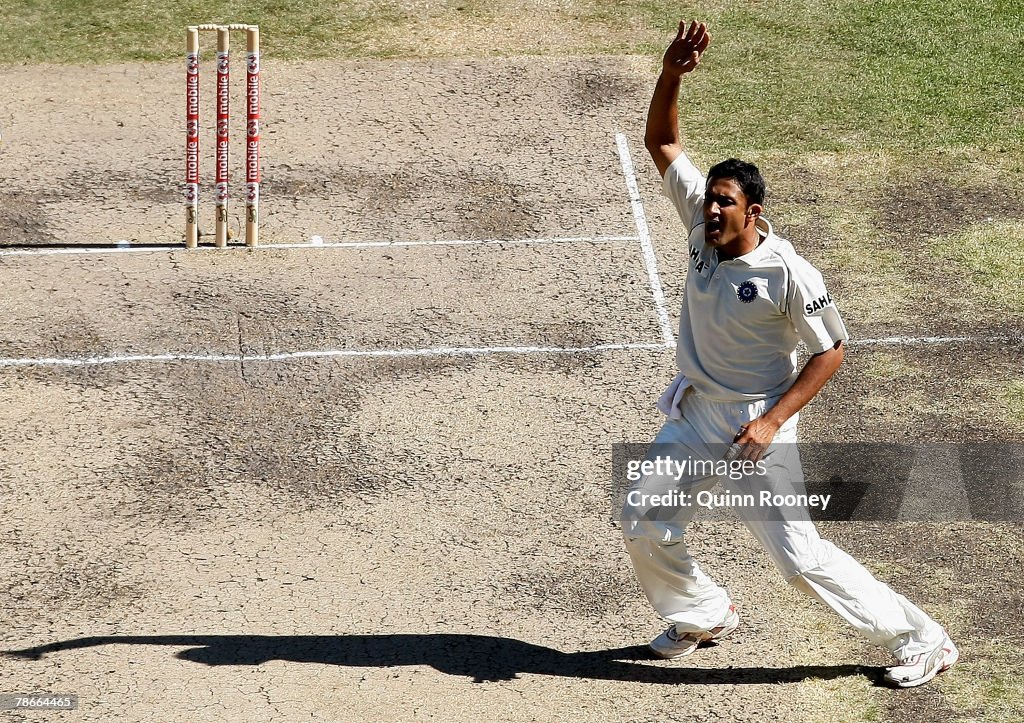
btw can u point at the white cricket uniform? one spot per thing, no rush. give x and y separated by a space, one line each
741 322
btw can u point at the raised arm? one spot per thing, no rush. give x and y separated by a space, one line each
683 55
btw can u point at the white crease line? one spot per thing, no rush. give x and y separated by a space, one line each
312 244
912 340
440 352
88 250
644 232
326 354
452 242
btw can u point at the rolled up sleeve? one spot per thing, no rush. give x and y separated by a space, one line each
813 311
684 185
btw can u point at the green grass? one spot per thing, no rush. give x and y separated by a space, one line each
1015 401
849 75
102 31
810 74
989 253
987 683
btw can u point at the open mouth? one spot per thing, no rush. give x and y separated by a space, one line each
713 229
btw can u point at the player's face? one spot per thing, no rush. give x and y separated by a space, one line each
726 213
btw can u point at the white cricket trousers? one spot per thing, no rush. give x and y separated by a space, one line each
683 594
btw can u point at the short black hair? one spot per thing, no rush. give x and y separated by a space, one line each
746 176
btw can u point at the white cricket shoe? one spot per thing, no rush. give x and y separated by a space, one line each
671 645
919 669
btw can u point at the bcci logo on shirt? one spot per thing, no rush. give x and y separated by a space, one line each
746 292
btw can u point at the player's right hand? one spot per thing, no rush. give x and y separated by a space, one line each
684 53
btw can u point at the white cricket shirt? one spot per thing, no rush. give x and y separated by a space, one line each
742 318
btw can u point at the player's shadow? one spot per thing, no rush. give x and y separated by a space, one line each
480 657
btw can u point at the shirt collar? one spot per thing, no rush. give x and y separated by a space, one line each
765 248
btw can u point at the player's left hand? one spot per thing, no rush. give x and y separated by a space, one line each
755 438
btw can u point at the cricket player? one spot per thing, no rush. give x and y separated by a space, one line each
749 300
